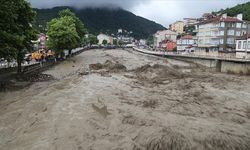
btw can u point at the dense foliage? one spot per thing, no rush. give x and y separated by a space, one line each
104 20
16 30
241 8
92 39
62 34
65 32
80 29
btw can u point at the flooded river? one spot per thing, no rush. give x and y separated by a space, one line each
123 100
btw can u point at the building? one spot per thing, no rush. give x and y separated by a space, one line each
243 46
219 33
142 42
190 21
126 39
162 36
167 45
170 45
119 31
186 43
102 37
177 27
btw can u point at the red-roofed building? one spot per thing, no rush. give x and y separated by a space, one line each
219 33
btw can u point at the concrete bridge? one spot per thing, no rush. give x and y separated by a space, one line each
220 64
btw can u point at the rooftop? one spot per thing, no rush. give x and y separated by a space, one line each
221 19
187 37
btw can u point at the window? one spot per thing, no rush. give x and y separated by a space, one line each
230 32
237 33
221 32
248 45
231 24
244 32
230 40
244 44
244 25
238 25
222 24
239 44
221 41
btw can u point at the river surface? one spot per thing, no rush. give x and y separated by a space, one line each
124 100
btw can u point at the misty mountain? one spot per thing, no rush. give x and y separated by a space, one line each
105 20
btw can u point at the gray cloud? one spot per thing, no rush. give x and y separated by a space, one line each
162 11
126 4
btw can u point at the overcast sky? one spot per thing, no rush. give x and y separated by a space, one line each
161 11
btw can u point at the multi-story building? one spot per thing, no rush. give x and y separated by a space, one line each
177 27
125 39
102 37
163 36
219 33
190 21
243 46
186 44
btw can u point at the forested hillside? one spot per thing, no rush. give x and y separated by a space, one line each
105 20
242 8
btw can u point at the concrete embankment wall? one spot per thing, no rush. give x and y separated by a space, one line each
220 65
235 67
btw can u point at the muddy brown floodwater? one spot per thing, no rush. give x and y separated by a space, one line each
123 100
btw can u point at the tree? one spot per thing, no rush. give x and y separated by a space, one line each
150 40
115 42
93 39
80 29
104 42
62 34
120 43
175 49
16 30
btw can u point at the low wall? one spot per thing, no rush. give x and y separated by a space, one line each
218 64
235 67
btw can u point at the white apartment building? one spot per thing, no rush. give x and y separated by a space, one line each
220 33
102 37
243 46
186 44
164 35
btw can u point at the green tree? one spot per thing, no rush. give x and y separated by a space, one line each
16 29
115 42
62 34
92 39
120 43
150 40
175 49
104 42
80 29
85 41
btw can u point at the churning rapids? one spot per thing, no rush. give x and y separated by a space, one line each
123 100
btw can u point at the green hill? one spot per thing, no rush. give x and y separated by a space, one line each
241 8
105 20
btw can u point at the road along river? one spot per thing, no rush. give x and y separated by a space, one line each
117 99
